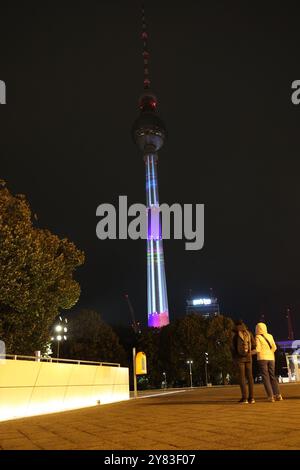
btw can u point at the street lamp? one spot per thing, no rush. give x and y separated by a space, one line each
60 332
190 362
206 363
164 380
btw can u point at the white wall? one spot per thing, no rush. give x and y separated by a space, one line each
30 388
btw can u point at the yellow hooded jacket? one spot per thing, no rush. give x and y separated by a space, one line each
264 352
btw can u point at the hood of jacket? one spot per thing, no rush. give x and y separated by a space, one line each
261 329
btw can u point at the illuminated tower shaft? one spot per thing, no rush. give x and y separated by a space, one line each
158 314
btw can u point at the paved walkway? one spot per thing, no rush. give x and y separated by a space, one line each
201 418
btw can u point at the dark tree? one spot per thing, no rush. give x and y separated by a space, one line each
91 339
36 276
219 338
148 342
188 338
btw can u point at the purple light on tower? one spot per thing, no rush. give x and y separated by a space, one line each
149 133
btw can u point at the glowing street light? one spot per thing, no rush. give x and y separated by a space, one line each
206 363
164 383
190 362
60 328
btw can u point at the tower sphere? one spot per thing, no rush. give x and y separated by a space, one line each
148 131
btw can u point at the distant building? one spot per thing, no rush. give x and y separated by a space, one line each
205 306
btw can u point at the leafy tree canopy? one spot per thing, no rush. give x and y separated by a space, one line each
189 338
91 339
36 276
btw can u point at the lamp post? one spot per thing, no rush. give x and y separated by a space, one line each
206 363
134 372
60 330
164 380
190 362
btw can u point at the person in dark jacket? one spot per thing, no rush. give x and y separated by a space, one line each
243 347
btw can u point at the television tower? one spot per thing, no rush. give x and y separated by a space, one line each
149 133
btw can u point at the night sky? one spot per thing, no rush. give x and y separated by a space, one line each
222 72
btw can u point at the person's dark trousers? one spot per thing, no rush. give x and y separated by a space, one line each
267 369
245 371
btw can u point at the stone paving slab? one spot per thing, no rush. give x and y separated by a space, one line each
195 419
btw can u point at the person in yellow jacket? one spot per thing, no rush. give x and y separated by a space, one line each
265 348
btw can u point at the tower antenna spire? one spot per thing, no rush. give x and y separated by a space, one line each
144 35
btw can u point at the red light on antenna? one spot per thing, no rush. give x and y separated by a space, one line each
148 103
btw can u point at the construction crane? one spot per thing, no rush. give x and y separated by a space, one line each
290 324
135 324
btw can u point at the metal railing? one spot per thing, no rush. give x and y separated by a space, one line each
293 366
55 359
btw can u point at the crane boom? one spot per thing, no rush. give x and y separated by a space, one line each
135 325
290 324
